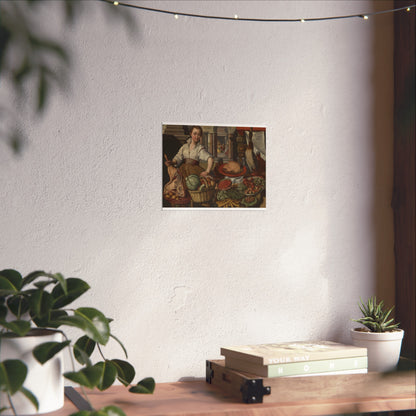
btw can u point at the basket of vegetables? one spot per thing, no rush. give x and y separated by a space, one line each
202 190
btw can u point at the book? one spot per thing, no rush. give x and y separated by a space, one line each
333 373
267 354
300 367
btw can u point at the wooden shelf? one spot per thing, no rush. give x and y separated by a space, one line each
296 396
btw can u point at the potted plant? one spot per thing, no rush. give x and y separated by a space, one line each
35 309
380 335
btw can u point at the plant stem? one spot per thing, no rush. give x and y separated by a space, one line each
9 398
101 353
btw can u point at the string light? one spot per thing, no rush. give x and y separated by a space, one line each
248 19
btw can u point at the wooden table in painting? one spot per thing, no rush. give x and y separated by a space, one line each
292 396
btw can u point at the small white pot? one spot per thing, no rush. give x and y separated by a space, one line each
44 381
383 348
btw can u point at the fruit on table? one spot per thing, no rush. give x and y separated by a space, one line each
225 184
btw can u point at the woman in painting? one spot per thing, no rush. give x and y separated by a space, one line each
190 154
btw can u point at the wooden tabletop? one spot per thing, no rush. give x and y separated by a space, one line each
198 398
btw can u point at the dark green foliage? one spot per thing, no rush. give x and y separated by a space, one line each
40 300
42 63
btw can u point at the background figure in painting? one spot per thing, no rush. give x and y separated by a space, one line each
190 154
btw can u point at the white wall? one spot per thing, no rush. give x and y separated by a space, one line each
85 196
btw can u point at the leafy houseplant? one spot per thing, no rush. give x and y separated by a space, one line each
381 335
40 301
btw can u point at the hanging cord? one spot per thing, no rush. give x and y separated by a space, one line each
249 19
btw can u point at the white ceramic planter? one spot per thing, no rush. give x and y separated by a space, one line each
44 381
383 348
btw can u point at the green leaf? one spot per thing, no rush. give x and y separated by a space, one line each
108 374
31 277
105 411
83 413
18 327
92 322
98 328
83 349
125 371
20 73
40 304
75 288
145 386
53 277
7 287
110 411
3 312
12 375
88 376
43 90
13 276
30 396
18 305
45 351
55 316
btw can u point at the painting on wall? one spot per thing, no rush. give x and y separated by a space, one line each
208 166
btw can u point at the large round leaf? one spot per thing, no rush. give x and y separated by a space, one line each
18 305
145 386
91 321
105 411
18 327
108 374
83 349
12 375
98 328
45 351
40 304
29 395
75 288
125 371
13 277
88 376
7 287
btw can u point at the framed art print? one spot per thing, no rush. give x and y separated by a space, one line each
208 166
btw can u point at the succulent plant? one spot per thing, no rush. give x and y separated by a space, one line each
375 317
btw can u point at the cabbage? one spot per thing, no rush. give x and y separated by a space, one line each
192 182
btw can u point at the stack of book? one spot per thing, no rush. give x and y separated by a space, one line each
296 359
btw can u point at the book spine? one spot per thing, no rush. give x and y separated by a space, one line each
308 367
333 373
311 367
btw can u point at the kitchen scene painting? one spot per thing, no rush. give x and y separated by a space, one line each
207 166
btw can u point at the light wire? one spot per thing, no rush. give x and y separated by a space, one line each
249 19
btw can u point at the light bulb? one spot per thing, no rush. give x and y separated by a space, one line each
176 16
115 3
235 16
365 17
302 20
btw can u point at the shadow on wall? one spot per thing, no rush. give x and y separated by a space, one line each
382 142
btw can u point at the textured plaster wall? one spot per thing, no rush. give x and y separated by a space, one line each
85 196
